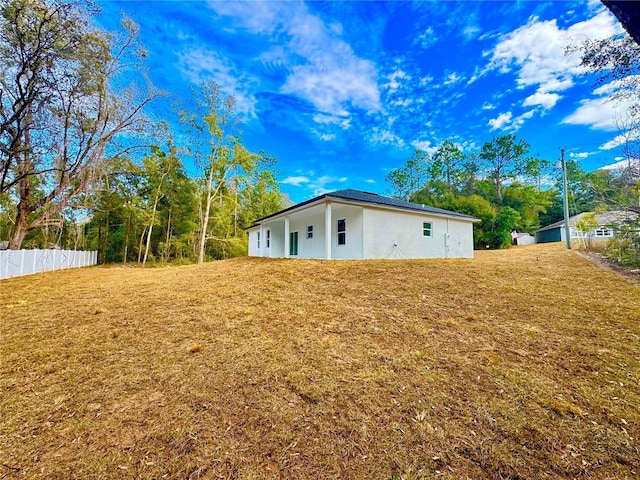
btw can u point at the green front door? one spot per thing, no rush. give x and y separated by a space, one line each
293 243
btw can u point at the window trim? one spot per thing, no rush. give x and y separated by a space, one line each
258 238
309 232
603 232
268 239
342 234
427 231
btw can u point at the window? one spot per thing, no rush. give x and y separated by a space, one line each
268 238
603 232
342 232
258 239
310 231
426 229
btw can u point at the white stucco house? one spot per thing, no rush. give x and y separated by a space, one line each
350 224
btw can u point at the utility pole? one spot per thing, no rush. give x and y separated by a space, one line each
565 194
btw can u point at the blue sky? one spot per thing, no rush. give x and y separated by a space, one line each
343 92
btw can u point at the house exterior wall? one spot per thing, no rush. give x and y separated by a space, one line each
309 247
552 235
400 235
253 242
460 240
370 233
353 247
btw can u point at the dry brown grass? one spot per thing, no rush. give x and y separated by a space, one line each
520 364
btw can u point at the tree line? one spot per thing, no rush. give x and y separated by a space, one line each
82 166
506 187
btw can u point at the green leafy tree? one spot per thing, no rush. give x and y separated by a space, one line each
228 167
157 168
448 162
505 157
505 221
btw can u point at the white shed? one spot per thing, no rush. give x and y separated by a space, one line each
350 224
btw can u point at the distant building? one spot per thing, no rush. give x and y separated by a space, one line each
607 225
523 238
350 224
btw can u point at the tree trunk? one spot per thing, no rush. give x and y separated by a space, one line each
499 187
144 230
19 230
205 218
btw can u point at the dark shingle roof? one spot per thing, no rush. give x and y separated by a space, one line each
375 199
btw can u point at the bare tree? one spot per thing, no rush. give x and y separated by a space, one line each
61 119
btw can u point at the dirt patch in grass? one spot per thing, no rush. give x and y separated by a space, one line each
519 364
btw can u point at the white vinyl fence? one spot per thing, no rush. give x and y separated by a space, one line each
14 263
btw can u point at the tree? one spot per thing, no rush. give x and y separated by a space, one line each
410 178
158 166
60 119
223 155
616 61
505 221
505 156
449 161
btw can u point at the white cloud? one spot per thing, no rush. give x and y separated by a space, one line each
425 146
317 186
470 31
620 140
325 137
453 78
395 80
622 164
506 121
617 141
199 64
599 113
424 81
296 181
535 51
488 106
500 121
427 38
370 180
545 100
385 137
580 155
322 68
340 121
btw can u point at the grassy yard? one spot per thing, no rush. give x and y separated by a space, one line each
519 364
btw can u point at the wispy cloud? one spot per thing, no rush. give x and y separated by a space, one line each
322 68
599 113
621 140
316 185
506 121
580 155
200 64
426 38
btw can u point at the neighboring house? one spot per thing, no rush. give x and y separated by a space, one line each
606 227
350 224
